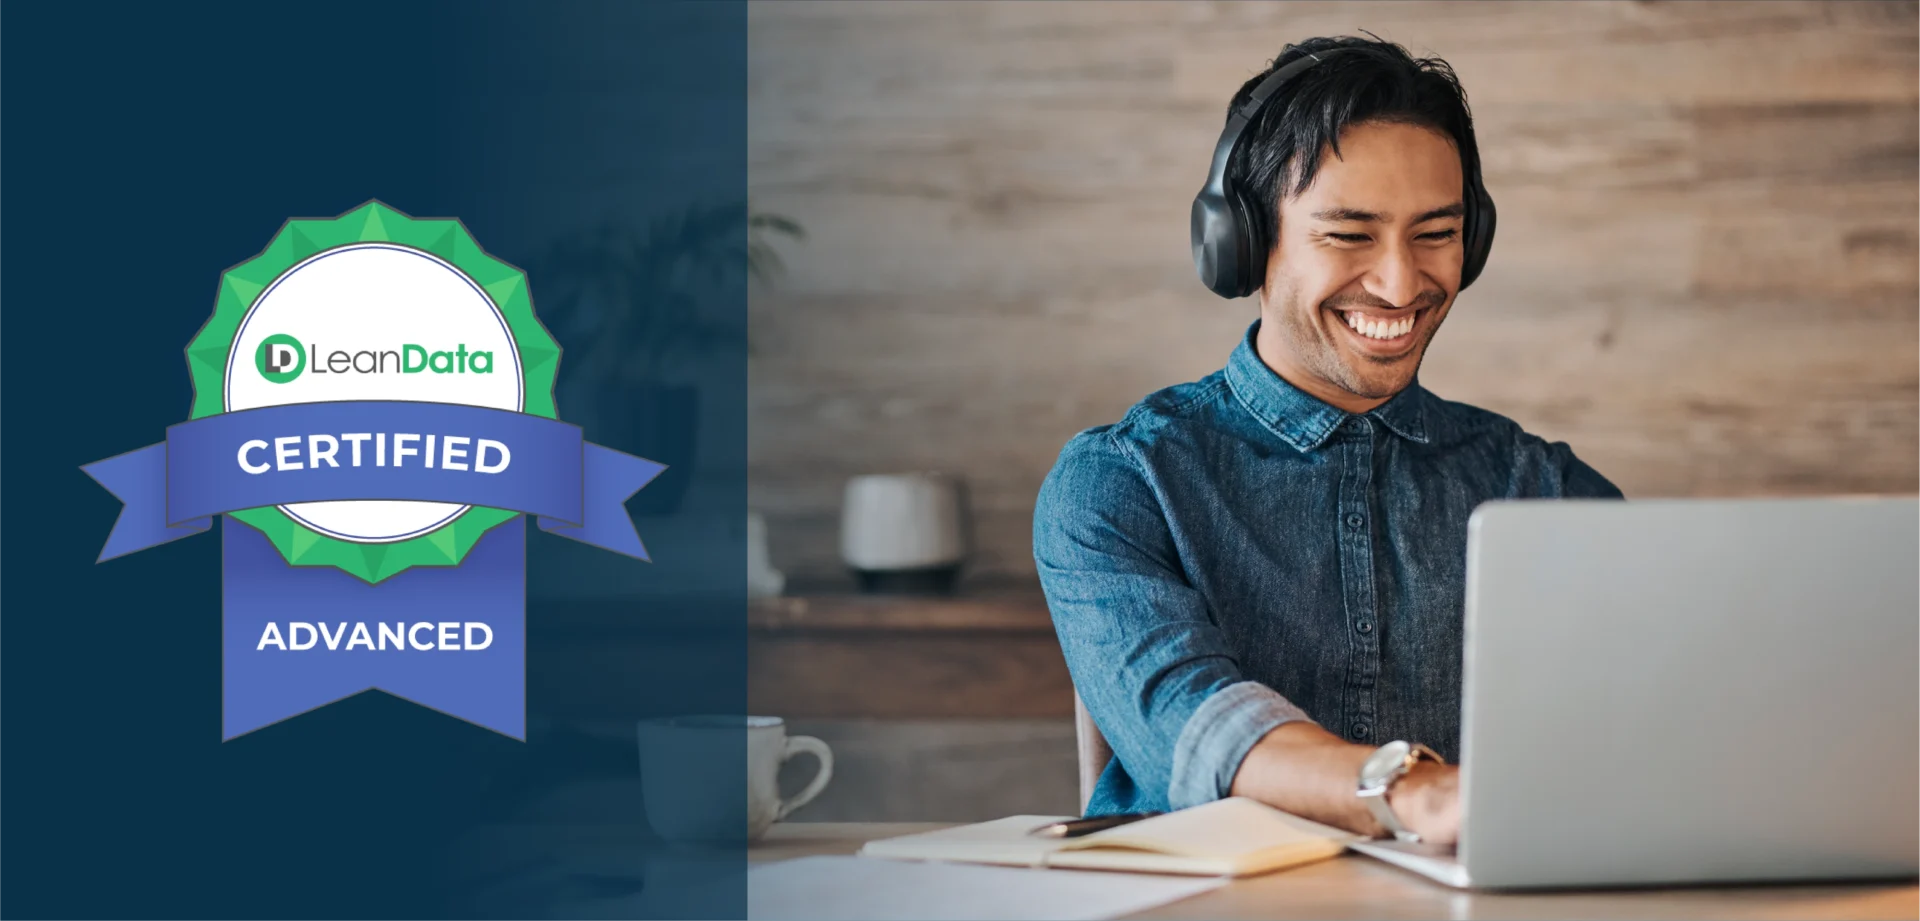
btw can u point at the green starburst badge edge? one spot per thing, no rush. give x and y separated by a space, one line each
374 221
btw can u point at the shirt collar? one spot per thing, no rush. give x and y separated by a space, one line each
1301 419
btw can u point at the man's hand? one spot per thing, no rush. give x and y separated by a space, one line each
1427 801
1304 769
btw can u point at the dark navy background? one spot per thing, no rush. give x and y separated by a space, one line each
148 148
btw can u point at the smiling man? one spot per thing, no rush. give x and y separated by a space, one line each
1258 578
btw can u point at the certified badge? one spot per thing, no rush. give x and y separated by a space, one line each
373 404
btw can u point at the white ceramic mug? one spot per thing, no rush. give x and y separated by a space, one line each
692 796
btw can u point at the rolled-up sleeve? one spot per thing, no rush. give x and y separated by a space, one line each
1146 655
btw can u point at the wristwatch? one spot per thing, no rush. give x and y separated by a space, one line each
1389 763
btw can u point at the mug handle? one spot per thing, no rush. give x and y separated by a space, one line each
806 745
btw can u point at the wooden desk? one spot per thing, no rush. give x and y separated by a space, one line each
1353 886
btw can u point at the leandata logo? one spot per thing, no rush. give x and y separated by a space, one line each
281 358
374 466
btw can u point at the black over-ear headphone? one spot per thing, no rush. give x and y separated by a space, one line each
1232 264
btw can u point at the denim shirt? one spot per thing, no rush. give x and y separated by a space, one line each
1234 554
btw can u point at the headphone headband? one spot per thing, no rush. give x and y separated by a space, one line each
1258 97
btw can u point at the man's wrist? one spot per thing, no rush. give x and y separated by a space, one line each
1411 797
1302 768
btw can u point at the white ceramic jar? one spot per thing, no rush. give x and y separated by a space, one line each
904 532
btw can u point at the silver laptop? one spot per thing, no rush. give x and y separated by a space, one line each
1687 691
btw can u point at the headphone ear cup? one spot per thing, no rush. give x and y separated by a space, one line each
1253 258
1482 218
1215 254
1204 235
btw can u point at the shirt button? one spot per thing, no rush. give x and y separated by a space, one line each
1361 730
1363 627
1355 520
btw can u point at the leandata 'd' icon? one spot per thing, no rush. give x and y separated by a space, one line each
373 405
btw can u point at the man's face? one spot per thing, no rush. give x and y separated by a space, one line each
1366 265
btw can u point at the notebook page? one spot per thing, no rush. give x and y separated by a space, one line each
1223 830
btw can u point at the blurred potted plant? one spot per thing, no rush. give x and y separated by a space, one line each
763 261
633 307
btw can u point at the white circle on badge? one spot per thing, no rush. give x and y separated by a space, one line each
377 321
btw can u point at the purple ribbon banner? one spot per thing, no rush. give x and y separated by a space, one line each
373 449
450 638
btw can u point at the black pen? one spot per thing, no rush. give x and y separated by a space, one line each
1074 828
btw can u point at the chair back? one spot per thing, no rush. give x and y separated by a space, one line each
1093 749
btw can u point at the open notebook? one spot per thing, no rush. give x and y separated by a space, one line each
1229 837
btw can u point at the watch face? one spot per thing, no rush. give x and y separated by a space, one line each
1384 762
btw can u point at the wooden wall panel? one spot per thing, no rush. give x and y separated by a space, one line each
1706 278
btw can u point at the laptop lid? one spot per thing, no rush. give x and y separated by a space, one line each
1666 691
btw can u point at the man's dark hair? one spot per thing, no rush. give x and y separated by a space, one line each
1371 80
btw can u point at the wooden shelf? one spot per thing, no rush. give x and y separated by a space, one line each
1016 611
975 655
984 654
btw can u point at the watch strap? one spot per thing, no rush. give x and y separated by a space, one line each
1383 813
